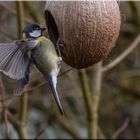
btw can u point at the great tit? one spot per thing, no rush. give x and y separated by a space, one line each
16 58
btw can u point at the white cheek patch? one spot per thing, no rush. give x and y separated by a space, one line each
35 33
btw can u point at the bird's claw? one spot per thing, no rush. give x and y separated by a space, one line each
59 60
60 43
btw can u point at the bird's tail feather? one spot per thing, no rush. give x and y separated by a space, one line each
55 94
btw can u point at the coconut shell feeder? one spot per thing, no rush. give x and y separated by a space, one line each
89 29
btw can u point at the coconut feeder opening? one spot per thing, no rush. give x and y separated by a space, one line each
89 29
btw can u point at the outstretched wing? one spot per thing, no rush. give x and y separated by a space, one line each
15 62
22 82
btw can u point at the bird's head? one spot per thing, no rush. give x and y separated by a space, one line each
32 31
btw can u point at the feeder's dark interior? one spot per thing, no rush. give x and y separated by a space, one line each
52 27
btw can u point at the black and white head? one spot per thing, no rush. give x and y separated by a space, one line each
33 31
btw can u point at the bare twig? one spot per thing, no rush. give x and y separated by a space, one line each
64 124
88 101
96 90
121 129
8 9
40 133
31 12
33 88
44 83
123 55
24 98
5 116
13 12
6 33
4 109
20 18
13 120
100 133
6 98
92 100
67 127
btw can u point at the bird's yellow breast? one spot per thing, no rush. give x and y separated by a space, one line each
48 47
45 56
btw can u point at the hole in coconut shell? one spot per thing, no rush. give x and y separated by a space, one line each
52 27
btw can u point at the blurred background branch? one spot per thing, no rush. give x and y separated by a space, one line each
24 98
4 109
123 55
121 129
13 12
88 103
110 89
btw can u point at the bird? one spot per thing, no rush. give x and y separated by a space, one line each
17 56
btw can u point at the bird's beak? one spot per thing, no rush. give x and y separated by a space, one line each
43 29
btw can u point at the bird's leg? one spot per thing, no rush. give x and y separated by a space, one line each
59 43
59 63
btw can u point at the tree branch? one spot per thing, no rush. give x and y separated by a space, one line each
24 97
13 12
4 109
6 33
88 101
27 90
96 93
123 55
67 127
121 129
